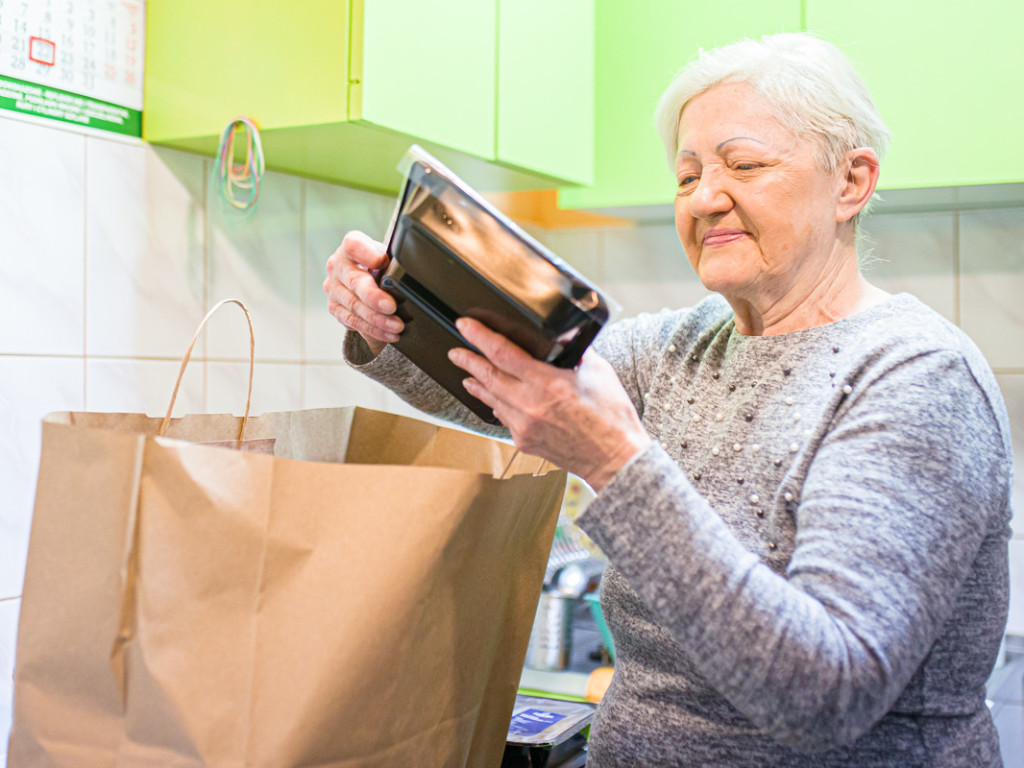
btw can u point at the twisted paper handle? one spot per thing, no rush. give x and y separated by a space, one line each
188 354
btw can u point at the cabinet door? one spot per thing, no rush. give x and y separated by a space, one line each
640 46
546 87
427 70
946 78
208 62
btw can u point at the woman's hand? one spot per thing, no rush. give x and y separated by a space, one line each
353 296
581 420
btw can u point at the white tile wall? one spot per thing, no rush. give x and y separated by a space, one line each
329 386
142 386
646 269
144 249
275 387
111 252
257 257
1015 622
582 248
1012 387
914 252
42 221
992 283
1013 391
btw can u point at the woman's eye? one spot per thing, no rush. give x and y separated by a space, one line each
685 181
747 166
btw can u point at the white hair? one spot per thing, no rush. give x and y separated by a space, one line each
813 88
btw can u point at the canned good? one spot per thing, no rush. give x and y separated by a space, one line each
551 639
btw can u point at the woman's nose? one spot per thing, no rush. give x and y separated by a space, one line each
710 197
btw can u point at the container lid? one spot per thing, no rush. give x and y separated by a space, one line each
491 244
540 722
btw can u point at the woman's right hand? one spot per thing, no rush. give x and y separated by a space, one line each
353 296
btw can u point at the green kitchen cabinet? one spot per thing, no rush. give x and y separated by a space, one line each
341 89
639 47
427 70
945 78
546 87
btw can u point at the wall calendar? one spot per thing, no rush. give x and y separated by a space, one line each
75 61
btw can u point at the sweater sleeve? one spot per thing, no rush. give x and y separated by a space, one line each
897 498
399 374
624 344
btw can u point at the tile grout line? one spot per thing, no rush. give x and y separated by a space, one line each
85 272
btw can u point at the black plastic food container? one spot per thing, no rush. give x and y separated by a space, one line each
454 255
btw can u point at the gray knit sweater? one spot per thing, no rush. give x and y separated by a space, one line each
809 566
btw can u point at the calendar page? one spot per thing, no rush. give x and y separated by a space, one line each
76 61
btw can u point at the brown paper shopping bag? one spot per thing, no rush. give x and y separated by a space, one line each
361 598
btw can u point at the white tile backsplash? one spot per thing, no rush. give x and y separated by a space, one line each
144 250
646 269
914 253
256 256
275 387
394 404
646 252
992 283
333 386
1015 621
582 248
42 230
142 386
30 388
1012 387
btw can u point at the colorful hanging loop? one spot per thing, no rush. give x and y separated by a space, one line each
239 185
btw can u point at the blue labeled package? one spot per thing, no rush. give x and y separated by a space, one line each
540 722
530 722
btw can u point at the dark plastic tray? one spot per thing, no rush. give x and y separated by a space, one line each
454 255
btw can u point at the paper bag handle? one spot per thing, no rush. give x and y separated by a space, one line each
188 354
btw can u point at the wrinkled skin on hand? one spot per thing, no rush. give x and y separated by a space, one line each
353 297
582 420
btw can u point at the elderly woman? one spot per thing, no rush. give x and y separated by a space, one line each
803 482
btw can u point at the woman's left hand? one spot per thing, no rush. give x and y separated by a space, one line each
581 420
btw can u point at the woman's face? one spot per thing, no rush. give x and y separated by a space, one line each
755 213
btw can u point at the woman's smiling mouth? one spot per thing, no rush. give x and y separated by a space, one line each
723 236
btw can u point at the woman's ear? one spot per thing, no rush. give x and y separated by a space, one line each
860 175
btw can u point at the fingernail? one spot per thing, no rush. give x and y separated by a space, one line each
394 324
386 304
461 324
453 355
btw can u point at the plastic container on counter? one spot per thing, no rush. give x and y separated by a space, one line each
547 733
